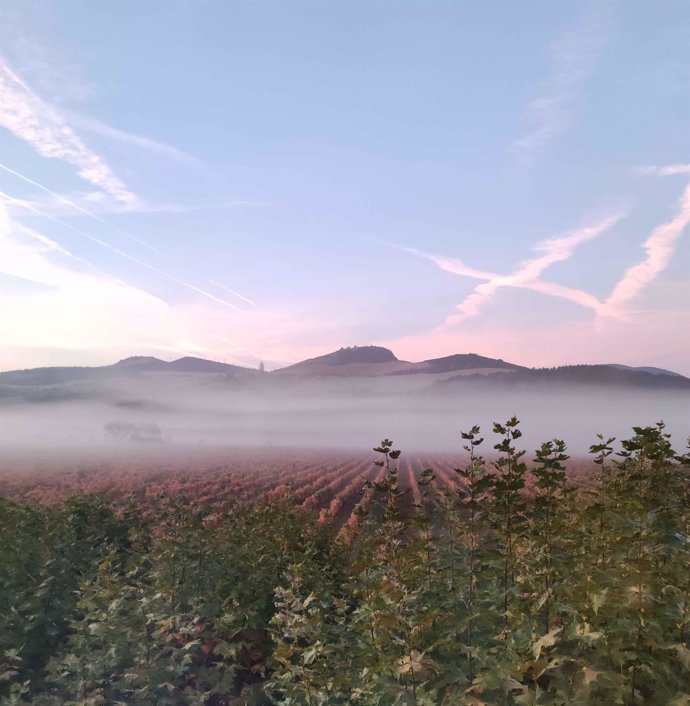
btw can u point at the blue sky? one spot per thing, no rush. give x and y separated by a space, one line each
272 180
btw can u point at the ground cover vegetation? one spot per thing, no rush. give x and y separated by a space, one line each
496 582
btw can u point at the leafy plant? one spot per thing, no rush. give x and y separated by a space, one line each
511 586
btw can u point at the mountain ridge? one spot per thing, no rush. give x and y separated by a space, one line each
594 375
355 361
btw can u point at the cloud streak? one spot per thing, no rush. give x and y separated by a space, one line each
528 273
30 119
52 246
669 170
659 248
233 292
73 205
125 255
573 58
88 124
99 203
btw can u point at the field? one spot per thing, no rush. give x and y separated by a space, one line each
216 479
164 575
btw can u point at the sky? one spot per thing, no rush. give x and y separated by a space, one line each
270 181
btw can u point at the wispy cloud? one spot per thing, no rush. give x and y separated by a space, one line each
659 249
573 59
30 119
449 264
50 131
86 123
31 43
668 170
527 274
101 204
577 296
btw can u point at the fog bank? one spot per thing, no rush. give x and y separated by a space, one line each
340 414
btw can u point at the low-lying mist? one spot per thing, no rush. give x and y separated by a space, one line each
338 414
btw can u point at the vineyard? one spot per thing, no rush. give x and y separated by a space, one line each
329 482
495 576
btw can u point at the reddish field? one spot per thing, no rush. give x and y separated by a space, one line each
330 482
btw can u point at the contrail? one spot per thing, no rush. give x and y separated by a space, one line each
28 180
453 265
53 245
122 253
527 274
659 248
232 291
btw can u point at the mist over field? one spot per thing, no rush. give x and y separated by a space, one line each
339 413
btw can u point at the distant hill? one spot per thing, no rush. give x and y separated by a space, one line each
646 369
142 363
53 376
574 375
200 365
355 355
356 363
135 365
375 360
458 362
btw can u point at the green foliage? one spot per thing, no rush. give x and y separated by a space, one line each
510 587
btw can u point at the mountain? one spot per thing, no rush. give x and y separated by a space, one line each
373 361
458 362
200 365
128 367
355 361
600 376
188 364
352 368
138 363
53 376
354 355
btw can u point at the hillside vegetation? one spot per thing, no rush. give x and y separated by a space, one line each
510 586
